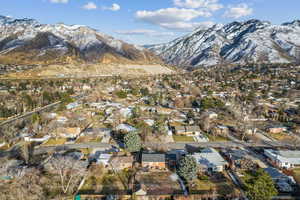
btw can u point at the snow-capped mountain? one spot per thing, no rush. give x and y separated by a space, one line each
237 42
24 41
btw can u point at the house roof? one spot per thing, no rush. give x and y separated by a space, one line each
209 157
153 158
292 157
122 159
275 173
179 128
192 128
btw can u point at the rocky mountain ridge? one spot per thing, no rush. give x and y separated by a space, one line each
26 41
236 42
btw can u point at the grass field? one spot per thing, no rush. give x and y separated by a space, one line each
85 139
55 142
217 138
181 138
281 136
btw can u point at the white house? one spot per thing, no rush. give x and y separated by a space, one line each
210 160
283 159
125 127
103 159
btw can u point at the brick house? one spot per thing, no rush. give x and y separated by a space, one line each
154 161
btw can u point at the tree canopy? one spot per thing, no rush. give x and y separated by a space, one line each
188 168
260 186
132 142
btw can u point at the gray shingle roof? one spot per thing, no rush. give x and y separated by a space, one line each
153 158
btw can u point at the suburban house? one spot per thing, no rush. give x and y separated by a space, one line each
187 130
210 160
179 130
192 130
121 162
154 161
72 105
283 159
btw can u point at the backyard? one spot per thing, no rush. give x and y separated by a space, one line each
103 181
217 183
160 183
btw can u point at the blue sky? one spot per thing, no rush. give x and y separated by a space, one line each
150 21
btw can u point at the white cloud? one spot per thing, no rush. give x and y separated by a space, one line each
145 32
211 5
114 7
90 6
59 1
240 10
170 15
173 18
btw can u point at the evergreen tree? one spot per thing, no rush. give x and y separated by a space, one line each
260 186
132 142
188 168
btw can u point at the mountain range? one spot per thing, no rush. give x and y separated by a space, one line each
237 42
26 41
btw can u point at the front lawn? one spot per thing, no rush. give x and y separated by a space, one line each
217 138
181 138
87 139
55 142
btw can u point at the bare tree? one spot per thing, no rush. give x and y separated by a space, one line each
26 183
69 170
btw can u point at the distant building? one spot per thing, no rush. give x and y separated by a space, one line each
71 132
210 160
103 159
154 161
283 159
192 130
125 128
278 129
72 105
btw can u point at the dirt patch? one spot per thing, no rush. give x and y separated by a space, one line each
92 70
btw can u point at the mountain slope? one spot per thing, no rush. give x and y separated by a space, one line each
237 42
25 41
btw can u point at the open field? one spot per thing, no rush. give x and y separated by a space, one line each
91 70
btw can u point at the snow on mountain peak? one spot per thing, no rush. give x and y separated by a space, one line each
236 42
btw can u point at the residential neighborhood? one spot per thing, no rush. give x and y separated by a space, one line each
213 135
